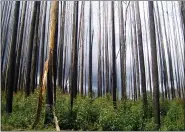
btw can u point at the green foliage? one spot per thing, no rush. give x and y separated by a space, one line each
23 114
93 114
174 120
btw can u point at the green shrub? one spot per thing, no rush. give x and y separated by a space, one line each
149 124
174 120
130 116
86 113
164 107
93 114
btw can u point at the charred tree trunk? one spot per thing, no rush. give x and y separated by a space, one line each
11 60
74 68
30 49
90 53
18 55
35 49
156 105
114 79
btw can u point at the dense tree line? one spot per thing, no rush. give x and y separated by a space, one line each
51 45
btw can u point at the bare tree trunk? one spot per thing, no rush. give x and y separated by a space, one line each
42 42
136 57
99 57
35 49
141 55
48 71
156 105
106 48
30 49
165 75
11 60
74 68
90 53
121 36
183 19
170 62
114 79
134 53
82 48
61 46
168 54
18 55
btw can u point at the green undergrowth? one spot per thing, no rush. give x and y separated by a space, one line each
92 114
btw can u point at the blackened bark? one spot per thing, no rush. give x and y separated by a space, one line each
90 53
55 59
30 48
35 50
156 105
18 55
114 79
74 68
11 62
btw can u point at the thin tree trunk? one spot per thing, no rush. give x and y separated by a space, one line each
30 49
74 68
142 63
136 55
18 55
35 49
61 45
156 105
99 58
82 49
90 53
114 79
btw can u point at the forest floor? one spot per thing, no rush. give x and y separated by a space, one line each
88 114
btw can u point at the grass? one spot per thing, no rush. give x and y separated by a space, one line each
88 114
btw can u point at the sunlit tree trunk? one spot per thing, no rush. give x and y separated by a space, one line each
51 76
